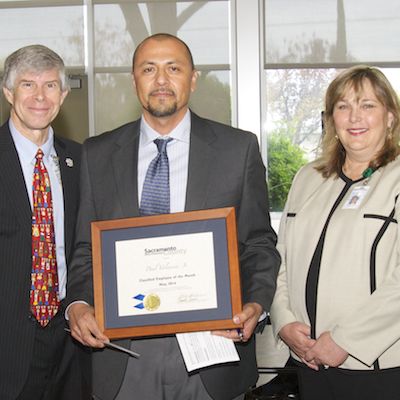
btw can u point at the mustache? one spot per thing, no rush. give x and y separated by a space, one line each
162 91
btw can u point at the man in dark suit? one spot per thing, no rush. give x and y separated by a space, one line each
38 359
210 165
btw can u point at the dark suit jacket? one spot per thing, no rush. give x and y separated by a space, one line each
225 169
17 330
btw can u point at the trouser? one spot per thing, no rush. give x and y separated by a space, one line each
47 352
341 384
160 374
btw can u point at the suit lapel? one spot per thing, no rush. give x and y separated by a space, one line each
12 178
70 191
201 155
124 163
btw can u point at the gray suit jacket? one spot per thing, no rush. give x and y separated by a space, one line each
17 331
225 169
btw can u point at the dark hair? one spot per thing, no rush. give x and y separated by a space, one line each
163 36
333 153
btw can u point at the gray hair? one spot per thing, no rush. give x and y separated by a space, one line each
36 58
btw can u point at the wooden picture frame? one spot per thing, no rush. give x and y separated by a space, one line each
141 287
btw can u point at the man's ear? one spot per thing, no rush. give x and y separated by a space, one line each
134 83
9 95
63 96
193 83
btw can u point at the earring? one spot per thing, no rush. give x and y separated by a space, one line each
336 137
389 133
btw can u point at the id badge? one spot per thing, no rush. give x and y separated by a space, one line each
356 197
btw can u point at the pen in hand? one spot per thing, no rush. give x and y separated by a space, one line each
115 346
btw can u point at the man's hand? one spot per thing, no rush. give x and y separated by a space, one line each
248 318
84 327
326 352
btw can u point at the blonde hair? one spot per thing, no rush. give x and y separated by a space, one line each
332 151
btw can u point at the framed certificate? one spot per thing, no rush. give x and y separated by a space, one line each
165 274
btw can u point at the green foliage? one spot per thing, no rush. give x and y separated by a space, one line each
284 160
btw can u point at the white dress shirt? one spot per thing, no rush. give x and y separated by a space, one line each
178 157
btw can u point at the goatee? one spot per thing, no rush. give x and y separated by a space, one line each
162 111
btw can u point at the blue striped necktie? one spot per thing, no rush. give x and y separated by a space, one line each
155 193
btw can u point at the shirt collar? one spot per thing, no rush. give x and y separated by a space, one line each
26 149
180 133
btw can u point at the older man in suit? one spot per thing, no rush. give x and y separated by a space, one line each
210 165
37 223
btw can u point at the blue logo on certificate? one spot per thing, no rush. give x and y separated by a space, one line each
139 297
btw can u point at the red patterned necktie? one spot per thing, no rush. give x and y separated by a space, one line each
44 290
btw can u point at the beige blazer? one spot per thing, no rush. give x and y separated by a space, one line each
358 292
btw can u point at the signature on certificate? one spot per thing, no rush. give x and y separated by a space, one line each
190 298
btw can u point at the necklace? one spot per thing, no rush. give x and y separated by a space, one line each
367 173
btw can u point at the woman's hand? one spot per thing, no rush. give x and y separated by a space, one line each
297 336
326 352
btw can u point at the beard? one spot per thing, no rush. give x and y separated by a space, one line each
162 110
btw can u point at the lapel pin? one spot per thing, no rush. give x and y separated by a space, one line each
69 162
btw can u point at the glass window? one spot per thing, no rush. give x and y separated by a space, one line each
60 28
305 43
120 27
212 98
293 126
331 31
116 102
